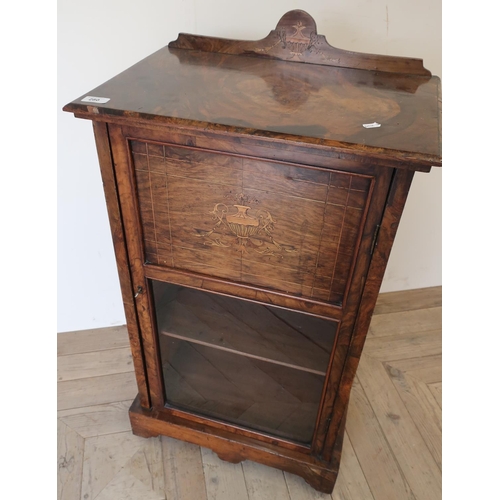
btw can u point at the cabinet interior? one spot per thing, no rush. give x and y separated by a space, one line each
258 366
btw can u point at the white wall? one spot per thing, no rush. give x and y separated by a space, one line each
98 39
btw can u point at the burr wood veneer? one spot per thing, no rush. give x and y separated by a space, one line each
253 213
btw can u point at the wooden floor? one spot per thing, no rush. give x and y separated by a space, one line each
392 447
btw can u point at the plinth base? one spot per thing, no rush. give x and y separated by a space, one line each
235 448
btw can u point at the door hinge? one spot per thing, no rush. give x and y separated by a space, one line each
375 237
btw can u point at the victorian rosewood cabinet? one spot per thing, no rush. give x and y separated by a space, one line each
254 189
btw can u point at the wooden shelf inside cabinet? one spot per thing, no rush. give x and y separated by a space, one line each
254 367
244 328
254 190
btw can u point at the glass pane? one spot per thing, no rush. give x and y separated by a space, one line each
253 365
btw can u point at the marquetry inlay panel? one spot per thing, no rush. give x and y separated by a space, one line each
281 226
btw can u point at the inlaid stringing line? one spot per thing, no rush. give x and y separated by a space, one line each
152 205
340 240
242 168
321 233
168 209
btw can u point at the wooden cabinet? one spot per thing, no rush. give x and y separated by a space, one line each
254 191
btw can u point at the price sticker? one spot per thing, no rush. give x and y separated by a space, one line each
95 100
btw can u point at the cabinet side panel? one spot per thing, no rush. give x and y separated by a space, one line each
141 297
120 246
352 302
353 344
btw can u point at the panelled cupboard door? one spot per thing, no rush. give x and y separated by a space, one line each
285 227
288 228
201 214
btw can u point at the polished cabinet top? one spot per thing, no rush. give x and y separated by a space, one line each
246 88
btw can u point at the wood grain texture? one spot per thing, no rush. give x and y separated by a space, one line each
108 362
101 134
223 480
351 192
257 177
97 419
306 150
148 354
264 223
420 298
300 490
84 392
224 444
417 462
351 483
390 324
350 343
437 391
104 457
125 486
405 345
380 466
427 369
183 466
140 478
252 293
281 99
264 483
346 193
69 462
421 404
91 341
371 465
323 442
147 467
296 39
346 198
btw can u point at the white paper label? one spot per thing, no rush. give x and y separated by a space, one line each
97 100
371 125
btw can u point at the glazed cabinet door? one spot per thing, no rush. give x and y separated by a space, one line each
256 366
246 268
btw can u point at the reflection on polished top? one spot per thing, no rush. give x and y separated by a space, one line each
225 84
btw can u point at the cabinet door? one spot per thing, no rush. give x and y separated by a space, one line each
253 365
284 227
275 225
295 234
